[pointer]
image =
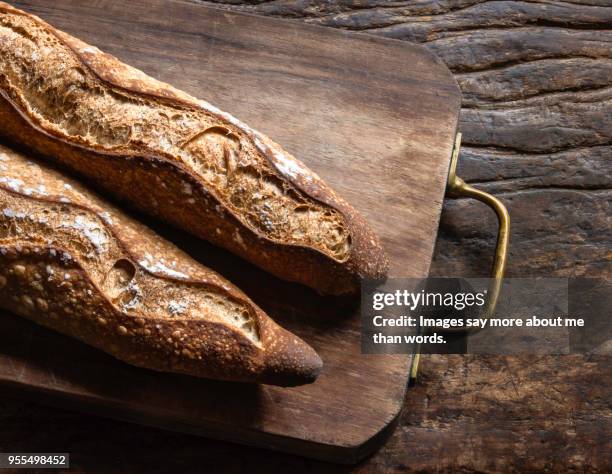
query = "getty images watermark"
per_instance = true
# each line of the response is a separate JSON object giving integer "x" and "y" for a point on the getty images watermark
{"x": 447, "y": 315}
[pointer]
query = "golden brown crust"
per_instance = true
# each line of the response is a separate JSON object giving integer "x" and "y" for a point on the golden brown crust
{"x": 308, "y": 234}
{"x": 74, "y": 263}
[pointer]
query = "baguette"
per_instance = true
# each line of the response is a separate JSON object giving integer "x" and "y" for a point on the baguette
{"x": 178, "y": 158}
{"x": 75, "y": 264}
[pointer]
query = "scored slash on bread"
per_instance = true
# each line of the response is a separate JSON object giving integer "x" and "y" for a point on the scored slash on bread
{"x": 178, "y": 158}
{"x": 76, "y": 264}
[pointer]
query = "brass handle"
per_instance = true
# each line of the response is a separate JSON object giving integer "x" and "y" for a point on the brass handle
{"x": 456, "y": 188}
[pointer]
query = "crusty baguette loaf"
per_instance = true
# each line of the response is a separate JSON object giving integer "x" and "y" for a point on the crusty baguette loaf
{"x": 71, "y": 262}
{"x": 178, "y": 158}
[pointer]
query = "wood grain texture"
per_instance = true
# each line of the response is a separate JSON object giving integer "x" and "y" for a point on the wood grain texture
{"x": 467, "y": 413}
{"x": 381, "y": 136}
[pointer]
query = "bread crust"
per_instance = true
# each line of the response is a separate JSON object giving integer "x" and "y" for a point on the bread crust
{"x": 74, "y": 263}
{"x": 207, "y": 212}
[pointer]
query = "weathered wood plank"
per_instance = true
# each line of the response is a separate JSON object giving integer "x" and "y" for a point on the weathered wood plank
{"x": 489, "y": 48}
{"x": 540, "y": 79}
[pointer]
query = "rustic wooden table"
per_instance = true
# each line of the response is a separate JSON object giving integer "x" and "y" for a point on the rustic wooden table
{"x": 536, "y": 121}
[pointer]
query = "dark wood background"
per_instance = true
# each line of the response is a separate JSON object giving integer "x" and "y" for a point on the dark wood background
{"x": 537, "y": 125}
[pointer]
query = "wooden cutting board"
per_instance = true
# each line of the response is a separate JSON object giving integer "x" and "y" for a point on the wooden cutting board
{"x": 375, "y": 118}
